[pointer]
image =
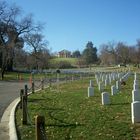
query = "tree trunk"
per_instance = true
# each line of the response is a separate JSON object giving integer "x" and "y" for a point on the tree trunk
{"x": 0, "y": 59}
{"x": 3, "y": 65}
{"x": 2, "y": 72}
{"x": 2, "y": 75}
{"x": 10, "y": 65}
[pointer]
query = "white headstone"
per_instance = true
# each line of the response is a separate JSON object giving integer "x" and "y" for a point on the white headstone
{"x": 106, "y": 82}
{"x": 119, "y": 75}
{"x": 135, "y": 111}
{"x": 135, "y": 76}
{"x": 135, "y": 86}
{"x": 100, "y": 86}
{"x": 97, "y": 81}
{"x": 113, "y": 90}
{"x": 90, "y": 91}
{"x": 135, "y": 95}
{"x": 105, "y": 98}
{"x": 113, "y": 77}
{"x": 136, "y": 82}
{"x": 91, "y": 83}
{"x": 103, "y": 77}
{"x": 118, "y": 85}
{"x": 110, "y": 79}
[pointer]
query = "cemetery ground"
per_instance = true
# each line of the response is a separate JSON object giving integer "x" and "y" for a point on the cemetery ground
{"x": 19, "y": 76}
{"x": 70, "y": 114}
{"x": 23, "y": 76}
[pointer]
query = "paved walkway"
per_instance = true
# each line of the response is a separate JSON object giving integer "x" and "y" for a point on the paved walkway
{"x": 8, "y": 92}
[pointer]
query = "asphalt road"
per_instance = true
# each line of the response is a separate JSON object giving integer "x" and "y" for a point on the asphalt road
{"x": 8, "y": 92}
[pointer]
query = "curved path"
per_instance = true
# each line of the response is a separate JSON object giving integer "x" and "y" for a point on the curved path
{"x": 8, "y": 92}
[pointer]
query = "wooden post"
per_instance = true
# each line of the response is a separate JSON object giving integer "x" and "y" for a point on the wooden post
{"x": 58, "y": 82}
{"x": 72, "y": 78}
{"x": 21, "y": 94}
{"x": 33, "y": 87}
{"x": 17, "y": 76}
{"x": 24, "y": 109}
{"x": 42, "y": 84}
{"x": 80, "y": 76}
{"x": 66, "y": 78}
{"x": 26, "y": 93}
{"x": 30, "y": 79}
{"x": 26, "y": 89}
{"x": 20, "y": 78}
{"x": 39, "y": 124}
{"x": 50, "y": 81}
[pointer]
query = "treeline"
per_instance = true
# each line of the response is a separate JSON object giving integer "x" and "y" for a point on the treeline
{"x": 107, "y": 54}
{"x": 18, "y": 31}
{"x": 120, "y": 53}
{"x": 111, "y": 53}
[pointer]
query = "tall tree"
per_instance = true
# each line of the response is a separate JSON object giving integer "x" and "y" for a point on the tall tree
{"x": 108, "y": 54}
{"x": 39, "y": 46}
{"x": 20, "y": 58}
{"x": 76, "y": 54}
{"x": 122, "y": 51}
{"x": 138, "y": 51}
{"x": 90, "y": 54}
{"x": 12, "y": 29}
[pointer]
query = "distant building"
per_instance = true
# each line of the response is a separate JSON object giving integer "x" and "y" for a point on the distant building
{"x": 64, "y": 54}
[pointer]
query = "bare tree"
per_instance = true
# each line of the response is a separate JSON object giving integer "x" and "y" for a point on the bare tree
{"x": 133, "y": 54}
{"x": 81, "y": 62}
{"x": 20, "y": 58}
{"x": 12, "y": 29}
{"x": 122, "y": 51}
{"x": 138, "y": 50}
{"x": 39, "y": 46}
{"x": 44, "y": 58}
{"x": 115, "y": 53}
{"x": 108, "y": 54}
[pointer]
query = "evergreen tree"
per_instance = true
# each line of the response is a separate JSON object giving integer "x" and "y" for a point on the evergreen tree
{"x": 76, "y": 54}
{"x": 90, "y": 54}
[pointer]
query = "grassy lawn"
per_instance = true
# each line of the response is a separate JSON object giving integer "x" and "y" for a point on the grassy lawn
{"x": 72, "y": 61}
{"x": 37, "y": 76}
{"x": 70, "y": 114}
{"x": 20, "y": 76}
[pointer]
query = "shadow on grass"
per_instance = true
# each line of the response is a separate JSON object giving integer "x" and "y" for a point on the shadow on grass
{"x": 65, "y": 125}
{"x": 54, "y": 109}
{"x": 127, "y": 103}
{"x": 69, "y": 127}
{"x": 39, "y": 99}
{"x": 56, "y": 125}
{"x": 61, "y": 121}
{"x": 53, "y": 112}
{"x": 125, "y": 88}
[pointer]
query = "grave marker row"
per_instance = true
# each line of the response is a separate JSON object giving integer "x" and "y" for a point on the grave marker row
{"x": 103, "y": 79}
{"x": 135, "y": 105}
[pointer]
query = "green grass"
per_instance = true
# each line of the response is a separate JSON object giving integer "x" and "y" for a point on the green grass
{"x": 37, "y": 76}
{"x": 70, "y": 114}
{"x": 72, "y": 61}
{"x": 20, "y": 76}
